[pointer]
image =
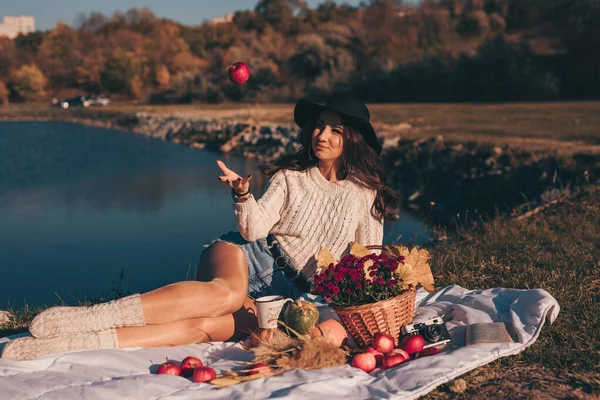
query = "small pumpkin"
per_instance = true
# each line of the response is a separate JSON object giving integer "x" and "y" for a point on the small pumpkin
{"x": 301, "y": 316}
{"x": 333, "y": 330}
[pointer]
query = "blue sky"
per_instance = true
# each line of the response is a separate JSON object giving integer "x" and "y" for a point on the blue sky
{"x": 190, "y": 12}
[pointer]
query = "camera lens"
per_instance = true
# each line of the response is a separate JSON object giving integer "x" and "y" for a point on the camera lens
{"x": 433, "y": 333}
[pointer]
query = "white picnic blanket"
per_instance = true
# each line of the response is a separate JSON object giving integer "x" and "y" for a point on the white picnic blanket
{"x": 120, "y": 374}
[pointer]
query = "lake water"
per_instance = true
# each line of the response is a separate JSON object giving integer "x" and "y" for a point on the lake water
{"x": 85, "y": 210}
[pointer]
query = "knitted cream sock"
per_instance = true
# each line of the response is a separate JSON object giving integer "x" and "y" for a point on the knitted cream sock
{"x": 68, "y": 320}
{"x": 28, "y": 348}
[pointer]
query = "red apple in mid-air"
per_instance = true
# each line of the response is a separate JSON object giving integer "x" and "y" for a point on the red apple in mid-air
{"x": 364, "y": 361}
{"x": 239, "y": 72}
{"x": 169, "y": 368}
{"x": 204, "y": 374}
{"x": 189, "y": 364}
{"x": 395, "y": 357}
{"x": 376, "y": 353}
{"x": 256, "y": 368}
{"x": 383, "y": 343}
{"x": 412, "y": 343}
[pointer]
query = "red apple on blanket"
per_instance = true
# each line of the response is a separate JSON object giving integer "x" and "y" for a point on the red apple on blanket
{"x": 204, "y": 374}
{"x": 412, "y": 343}
{"x": 169, "y": 368}
{"x": 430, "y": 351}
{"x": 383, "y": 343}
{"x": 364, "y": 361}
{"x": 395, "y": 357}
{"x": 189, "y": 364}
{"x": 376, "y": 353}
{"x": 257, "y": 368}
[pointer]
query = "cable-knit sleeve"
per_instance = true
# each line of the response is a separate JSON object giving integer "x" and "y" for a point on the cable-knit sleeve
{"x": 256, "y": 218}
{"x": 370, "y": 228}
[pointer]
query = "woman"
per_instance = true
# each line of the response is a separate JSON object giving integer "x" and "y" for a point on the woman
{"x": 331, "y": 193}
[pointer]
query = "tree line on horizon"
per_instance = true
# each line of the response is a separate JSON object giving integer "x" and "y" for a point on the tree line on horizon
{"x": 383, "y": 50}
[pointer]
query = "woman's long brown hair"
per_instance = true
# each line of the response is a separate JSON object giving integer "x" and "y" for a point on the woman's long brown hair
{"x": 360, "y": 162}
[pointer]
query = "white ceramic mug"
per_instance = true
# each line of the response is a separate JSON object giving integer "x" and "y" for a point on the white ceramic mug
{"x": 268, "y": 309}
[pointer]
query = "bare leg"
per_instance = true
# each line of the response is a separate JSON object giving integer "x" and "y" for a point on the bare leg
{"x": 223, "y": 290}
{"x": 196, "y": 330}
{"x": 224, "y": 270}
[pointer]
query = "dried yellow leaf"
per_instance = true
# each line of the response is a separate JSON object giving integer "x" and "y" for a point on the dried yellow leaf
{"x": 405, "y": 272}
{"x": 395, "y": 251}
{"x": 224, "y": 381}
{"x": 366, "y": 269}
{"x": 358, "y": 250}
{"x": 416, "y": 268}
{"x": 324, "y": 259}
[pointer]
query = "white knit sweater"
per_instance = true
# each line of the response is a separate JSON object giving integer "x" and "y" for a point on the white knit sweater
{"x": 305, "y": 212}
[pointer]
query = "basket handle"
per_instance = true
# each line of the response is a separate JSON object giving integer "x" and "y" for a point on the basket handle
{"x": 374, "y": 247}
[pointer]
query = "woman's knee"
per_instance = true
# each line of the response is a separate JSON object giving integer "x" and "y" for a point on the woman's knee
{"x": 196, "y": 330}
{"x": 235, "y": 292}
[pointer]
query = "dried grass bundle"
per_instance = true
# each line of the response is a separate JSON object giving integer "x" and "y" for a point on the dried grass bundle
{"x": 306, "y": 353}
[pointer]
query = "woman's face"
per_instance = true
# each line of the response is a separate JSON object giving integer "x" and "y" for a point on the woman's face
{"x": 328, "y": 136}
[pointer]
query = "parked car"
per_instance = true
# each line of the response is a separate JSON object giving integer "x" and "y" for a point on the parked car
{"x": 99, "y": 100}
{"x": 83, "y": 101}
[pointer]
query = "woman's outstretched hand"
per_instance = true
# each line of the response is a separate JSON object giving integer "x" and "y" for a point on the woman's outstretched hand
{"x": 233, "y": 180}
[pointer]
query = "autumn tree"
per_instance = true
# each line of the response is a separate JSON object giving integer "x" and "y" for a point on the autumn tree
{"x": 8, "y": 57}
{"x": 28, "y": 83}
{"x": 4, "y": 94}
{"x": 163, "y": 78}
{"x": 89, "y": 73}
{"x": 28, "y": 46}
{"x": 279, "y": 13}
{"x": 59, "y": 56}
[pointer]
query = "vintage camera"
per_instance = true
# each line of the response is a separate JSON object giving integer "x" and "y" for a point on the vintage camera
{"x": 433, "y": 330}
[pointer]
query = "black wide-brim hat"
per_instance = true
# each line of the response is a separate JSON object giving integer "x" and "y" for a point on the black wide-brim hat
{"x": 354, "y": 112}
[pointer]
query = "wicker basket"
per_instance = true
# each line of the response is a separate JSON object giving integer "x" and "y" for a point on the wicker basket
{"x": 387, "y": 316}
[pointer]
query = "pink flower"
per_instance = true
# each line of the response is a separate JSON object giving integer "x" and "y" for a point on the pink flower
{"x": 355, "y": 275}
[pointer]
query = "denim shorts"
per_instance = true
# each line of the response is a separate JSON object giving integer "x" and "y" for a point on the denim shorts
{"x": 264, "y": 277}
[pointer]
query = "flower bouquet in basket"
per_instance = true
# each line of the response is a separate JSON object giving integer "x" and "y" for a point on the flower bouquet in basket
{"x": 371, "y": 292}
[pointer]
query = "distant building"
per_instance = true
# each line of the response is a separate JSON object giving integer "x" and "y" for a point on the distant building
{"x": 219, "y": 20}
{"x": 12, "y": 26}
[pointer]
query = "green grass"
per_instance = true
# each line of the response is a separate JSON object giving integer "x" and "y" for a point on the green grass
{"x": 557, "y": 250}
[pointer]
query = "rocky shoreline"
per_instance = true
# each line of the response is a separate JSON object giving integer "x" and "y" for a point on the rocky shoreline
{"x": 449, "y": 184}
{"x": 264, "y": 142}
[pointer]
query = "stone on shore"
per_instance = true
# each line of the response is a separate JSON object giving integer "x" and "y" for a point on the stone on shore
{"x": 5, "y": 318}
